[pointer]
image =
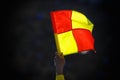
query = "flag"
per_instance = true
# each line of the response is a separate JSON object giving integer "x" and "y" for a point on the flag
{"x": 72, "y": 31}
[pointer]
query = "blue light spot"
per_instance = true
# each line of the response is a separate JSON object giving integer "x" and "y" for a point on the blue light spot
{"x": 106, "y": 60}
{"x": 39, "y": 16}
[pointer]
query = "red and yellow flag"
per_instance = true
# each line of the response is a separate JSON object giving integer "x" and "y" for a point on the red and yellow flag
{"x": 72, "y": 31}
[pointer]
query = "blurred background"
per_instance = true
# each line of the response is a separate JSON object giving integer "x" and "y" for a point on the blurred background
{"x": 30, "y": 46}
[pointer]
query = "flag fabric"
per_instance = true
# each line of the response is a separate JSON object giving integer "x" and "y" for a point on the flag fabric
{"x": 72, "y": 31}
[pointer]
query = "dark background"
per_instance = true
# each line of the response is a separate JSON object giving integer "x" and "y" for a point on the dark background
{"x": 29, "y": 44}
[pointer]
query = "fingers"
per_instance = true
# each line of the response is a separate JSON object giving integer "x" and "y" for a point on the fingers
{"x": 59, "y": 59}
{"x": 59, "y": 54}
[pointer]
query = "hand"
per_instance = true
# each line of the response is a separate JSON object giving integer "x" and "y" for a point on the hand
{"x": 59, "y": 62}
